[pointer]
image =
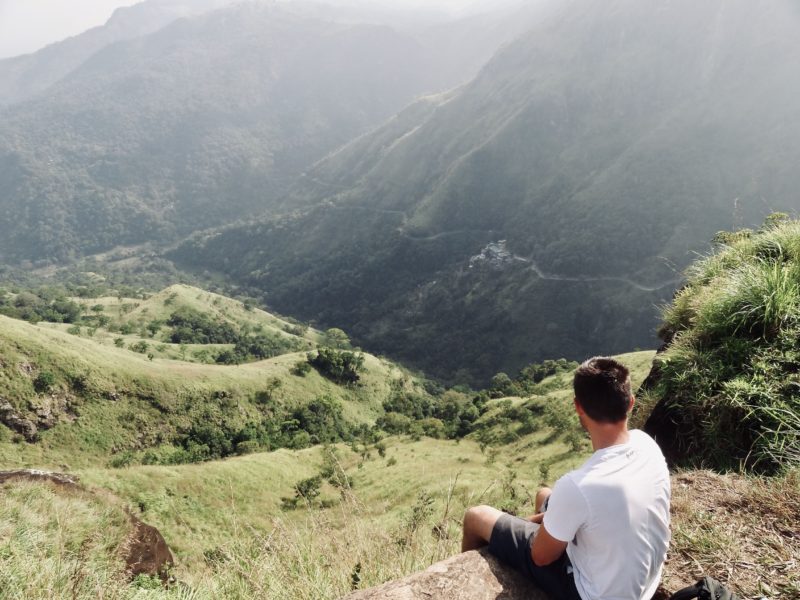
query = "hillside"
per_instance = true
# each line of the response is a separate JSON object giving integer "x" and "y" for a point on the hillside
{"x": 117, "y": 389}
{"x": 216, "y": 512}
{"x": 724, "y": 390}
{"x": 545, "y": 208}
{"x": 23, "y": 77}
{"x": 390, "y": 508}
{"x": 155, "y": 126}
{"x": 199, "y": 123}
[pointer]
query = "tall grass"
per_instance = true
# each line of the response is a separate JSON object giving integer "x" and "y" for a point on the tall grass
{"x": 731, "y": 372}
{"x": 68, "y": 546}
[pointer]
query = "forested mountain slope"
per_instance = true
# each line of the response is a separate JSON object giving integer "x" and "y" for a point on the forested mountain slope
{"x": 24, "y": 76}
{"x": 203, "y": 122}
{"x": 545, "y": 208}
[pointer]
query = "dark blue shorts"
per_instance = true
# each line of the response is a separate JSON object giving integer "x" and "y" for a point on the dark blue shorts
{"x": 511, "y": 543}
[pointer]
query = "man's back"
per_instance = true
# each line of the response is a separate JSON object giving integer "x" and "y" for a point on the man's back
{"x": 614, "y": 512}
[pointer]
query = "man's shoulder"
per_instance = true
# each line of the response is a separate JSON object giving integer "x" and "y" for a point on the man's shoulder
{"x": 644, "y": 442}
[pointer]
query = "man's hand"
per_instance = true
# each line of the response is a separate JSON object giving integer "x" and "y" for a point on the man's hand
{"x": 537, "y": 518}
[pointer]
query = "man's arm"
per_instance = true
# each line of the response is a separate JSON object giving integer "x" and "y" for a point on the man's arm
{"x": 545, "y": 548}
{"x": 537, "y": 518}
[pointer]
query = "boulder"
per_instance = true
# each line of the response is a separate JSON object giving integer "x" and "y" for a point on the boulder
{"x": 474, "y": 575}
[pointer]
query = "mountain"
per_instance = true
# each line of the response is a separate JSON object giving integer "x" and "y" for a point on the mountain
{"x": 22, "y": 77}
{"x": 200, "y": 123}
{"x": 547, "y": 206}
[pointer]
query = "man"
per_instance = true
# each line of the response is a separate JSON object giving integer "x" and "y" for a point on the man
{"x": 603, "y": 531}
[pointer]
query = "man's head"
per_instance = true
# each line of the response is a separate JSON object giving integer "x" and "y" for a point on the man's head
{"x": 603, "y": 389}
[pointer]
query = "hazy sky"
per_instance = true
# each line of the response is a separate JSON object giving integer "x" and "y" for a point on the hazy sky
{"x": 27, "y": 25}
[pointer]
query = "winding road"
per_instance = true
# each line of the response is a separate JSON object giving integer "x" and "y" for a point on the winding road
{"x": 581, "y": 278}
{"x": 533, "y": 266}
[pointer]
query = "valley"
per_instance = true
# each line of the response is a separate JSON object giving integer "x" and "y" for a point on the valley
{"x": 287, "y": 286}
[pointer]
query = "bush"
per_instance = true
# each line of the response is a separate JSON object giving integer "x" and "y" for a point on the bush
{"x": 301, "y": 368}
{"x": 247, "y": 447}
{"x": 44, "y": 382}
{"x": 339, "y": 366}
{"x": 140, "y": 347}
{"x": 394, "y": 423}
{"x": 193, "y": 327}
{"x": 124, "y": 459}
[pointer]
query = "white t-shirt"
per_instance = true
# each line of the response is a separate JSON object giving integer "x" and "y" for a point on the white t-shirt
{"x": 614, "y": 513}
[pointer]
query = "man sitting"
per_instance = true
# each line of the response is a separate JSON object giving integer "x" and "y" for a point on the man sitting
{"x": 603, "y": 531}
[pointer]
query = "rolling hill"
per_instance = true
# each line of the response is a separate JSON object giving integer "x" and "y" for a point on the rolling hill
{"x": 545, "y": 208}
{"x": 114, "y": 390}
{"x": 382, "y": 509}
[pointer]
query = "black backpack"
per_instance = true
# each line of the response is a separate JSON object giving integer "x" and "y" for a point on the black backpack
{"x": 705, "y": 589}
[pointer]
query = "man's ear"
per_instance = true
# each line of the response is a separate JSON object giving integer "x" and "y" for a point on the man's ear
{"x": 631, "y": 403}
{"x": 578, "y": 407}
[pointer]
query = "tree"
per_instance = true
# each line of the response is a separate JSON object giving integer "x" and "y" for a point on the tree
{"x": 340, "y": 366}
{"x": 337, "y": 338}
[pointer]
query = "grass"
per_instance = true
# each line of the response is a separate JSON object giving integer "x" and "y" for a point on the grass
{"x": 202, "y": 507}
{"x": 400, "y": 512}
{"x": 231, "y": 540}
{"x": 55, "y": 543}
{"x": 741, "y": 530}
{"x": 161, "y": 305}
{"x": 730, "y": 373}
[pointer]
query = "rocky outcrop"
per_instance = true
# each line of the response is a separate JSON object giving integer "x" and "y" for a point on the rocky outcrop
{"x": 147, "y": 552}
{"x": 472, "y": 575}
{"x": 16, "y": 422}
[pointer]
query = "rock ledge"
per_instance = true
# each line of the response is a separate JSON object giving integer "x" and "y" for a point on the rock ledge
{"x": 472, "y": 575}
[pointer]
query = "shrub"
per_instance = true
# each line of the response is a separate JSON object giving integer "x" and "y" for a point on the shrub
{"x": 193, "y": 327}
{"x": 124, "y": 459}
{"x": 301, "y": 368}
{"x": 247, "y": 447}
{"x": 44, "y": 382}
{"x": 339, "y": 366}
{"x": 140, "y": 347}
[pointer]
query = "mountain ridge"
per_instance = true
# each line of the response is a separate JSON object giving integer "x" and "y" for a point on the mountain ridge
{"x": 588, "y": 170}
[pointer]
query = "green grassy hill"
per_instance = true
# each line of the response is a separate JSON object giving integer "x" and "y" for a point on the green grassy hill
{"x": 88, "y": 394}
{"x": 383, "y": 496}
{"x": 383, "y": 509}
{"x": 725, "y": 389}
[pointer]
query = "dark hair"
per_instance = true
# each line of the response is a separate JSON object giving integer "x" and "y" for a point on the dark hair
{"x": 603, "y": 388}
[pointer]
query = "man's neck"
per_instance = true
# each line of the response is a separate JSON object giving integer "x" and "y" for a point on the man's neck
{"x": 605, "y": 435}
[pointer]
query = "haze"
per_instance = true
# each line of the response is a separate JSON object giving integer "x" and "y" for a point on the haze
{"x": 28, "y": 25}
